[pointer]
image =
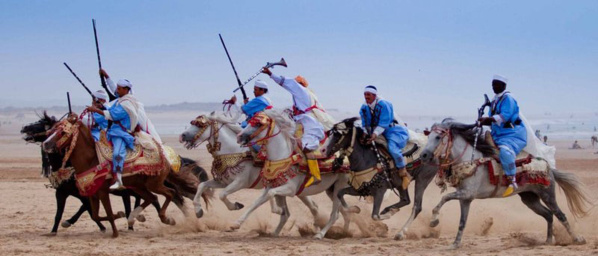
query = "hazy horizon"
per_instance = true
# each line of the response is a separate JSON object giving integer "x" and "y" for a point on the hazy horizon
{"x": 426, "y": 57}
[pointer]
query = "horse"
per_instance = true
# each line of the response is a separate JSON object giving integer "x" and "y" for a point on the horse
{"x": 346, "y": 137}
{"x": 450, "y": 146}
{"x": 233, "y": 168}
{"x": 274, "y": 130}
{"x": 65, "y": 185}
{"x": 75, "y": 138}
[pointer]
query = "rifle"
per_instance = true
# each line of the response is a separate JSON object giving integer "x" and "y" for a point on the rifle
{"x": 111, "y": 96}
{"x": 234, "y": 70}
{"x": 78, "y": 79}
{"x": 68, "y": 98}
{"x": 478, "y": 125}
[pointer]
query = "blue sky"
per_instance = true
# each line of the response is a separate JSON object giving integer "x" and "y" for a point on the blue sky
{"x": 426, "y": 57}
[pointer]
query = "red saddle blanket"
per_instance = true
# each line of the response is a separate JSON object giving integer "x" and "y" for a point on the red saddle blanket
{"x": 530, "y": 170}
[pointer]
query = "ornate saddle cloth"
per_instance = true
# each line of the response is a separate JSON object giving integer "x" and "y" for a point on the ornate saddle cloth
{"x": 146, "y": 158}
{"x": 530, "y": 170}
{"x": 411, "y": 151}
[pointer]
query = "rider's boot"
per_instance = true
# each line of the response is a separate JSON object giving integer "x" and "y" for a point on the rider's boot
{"x": 511, "y": 188}
{"x": 314, "y": 169}
{"x": 119, "y": 182}
{"x": 406, "y": 178}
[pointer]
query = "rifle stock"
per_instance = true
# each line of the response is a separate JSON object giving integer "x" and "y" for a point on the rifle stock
{"x": 81, "y": 82}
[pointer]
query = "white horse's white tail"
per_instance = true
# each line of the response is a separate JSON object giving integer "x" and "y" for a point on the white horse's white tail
{"x": 578, "y": 198}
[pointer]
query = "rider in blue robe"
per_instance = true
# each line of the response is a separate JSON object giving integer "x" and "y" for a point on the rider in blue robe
{"x": 99, "y": 121}
{"x": 377, "y": 117}
{"x": 508, "y": 131}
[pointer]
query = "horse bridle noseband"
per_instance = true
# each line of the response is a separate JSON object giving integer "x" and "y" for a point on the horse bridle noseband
{"x": 203, "y": 123}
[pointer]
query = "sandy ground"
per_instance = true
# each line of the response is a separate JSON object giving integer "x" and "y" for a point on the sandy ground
{"x": 27, "y": 211}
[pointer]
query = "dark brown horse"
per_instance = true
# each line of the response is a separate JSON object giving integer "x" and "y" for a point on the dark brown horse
{"x": 71, "y": 135}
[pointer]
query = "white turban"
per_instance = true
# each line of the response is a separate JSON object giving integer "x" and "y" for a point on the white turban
{"x": 371, "y": 89}
{"x": 124, "y": 83}
{"x": 261, "y": 84}
{"x": 100, "y": 94}
{"x": 500, "y": 78}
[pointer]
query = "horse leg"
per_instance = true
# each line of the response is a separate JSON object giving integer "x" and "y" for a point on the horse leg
{"x": 420, "y": 187}
{"x": 148, "y": 198}
{"x": 336, "y": 205}
{"x": 312, "y": 206}
{"x": 378, "y": 198}
{"x": 86, "y": 204}
{"x": 141, "y": 217}
{"x": 60, "y": 203}
{"x": 465, "y": 203}
{"x": 281, "y": 201}
{"x": 200, "y": 190}
{"x": 233, "y": 187}
{"x": 105, "y": 198}
{"x": 157, "y": 186}
{"x": 127, "y": 203}
{"x": 261, "y": 200}
{"x": 459, "y": 195}
{"x": 403, "y": 196}
{"x": 549, "y": 198}
{"x": 532, "y": 201}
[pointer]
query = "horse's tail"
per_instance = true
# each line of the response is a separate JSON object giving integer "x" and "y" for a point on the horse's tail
{"x": 189, "y": 167}
{"x": 578, "y": 199}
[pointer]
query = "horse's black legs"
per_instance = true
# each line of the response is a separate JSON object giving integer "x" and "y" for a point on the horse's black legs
{"x": 72, "y": 220}
{"x": 533, "y": 202}
{"x": 403, "y": 196}
{"x": 465, "y": 203}
{"x": 126, "y": 196}
{"x": 349, "y": 191}
{"x": 378, "y": 194}
{"x": 60, "y": 203}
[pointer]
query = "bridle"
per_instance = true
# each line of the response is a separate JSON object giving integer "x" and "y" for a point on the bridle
{"x": 263, "y": 122}
{"x": 443, "y": 151}
{"x": 67, "y": 131}
{"x": 343, "y": 134}
{"x": 203, "y": 123}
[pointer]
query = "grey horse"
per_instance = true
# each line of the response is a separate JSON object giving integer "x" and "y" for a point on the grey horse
{"x": 478, "y": 186}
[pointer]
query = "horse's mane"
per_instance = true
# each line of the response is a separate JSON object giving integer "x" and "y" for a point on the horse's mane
{"x": 469, "y": 135}
{"x": 229, "y": 122}
{"x": 284, "y": 123}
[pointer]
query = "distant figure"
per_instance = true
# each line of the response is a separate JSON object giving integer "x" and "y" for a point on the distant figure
{"x": 538, "y": 135}
{"x": 594, "y": 140}
{"x": 545, "y": 140}
{"x": 575, "y": 145}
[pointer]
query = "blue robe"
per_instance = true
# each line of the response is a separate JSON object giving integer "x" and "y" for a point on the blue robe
{"x": 382, "y": 122}
{"x": 100, "y": 123}
{"x": 253, "y": 106}
{"x": 120, "y": 138}
{"x": 508, "y": 131}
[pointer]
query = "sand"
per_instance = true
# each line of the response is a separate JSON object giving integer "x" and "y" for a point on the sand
{"x": 495, "y": 227}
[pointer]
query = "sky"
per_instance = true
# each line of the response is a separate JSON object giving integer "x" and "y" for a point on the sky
{"x": 426, "y": 57}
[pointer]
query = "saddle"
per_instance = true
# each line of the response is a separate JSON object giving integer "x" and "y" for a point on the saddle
{"x": 325, "y": 163}
{"x": 411, "y": 152}
{"x": 146, "y": 157}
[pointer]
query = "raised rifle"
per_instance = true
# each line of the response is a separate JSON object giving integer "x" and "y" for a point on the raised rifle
{"x": 111, "y": 96}
{"x": 68, "y": 99}
{"x": 268, "y": 65}
{"x": 478, "y": 125}
{"x": 81, "y": 82}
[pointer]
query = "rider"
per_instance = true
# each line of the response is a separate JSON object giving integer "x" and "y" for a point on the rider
{"x": 99, "y": 121}
{"x": 313, "y": 131}
{"x": 124, "y": 115}
{"x": 508, "y": 131}
{"x": 377, "y": 117}
{"x": 257, "y": 104}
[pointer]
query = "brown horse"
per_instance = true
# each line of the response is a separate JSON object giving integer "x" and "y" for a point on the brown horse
{"x": 74, "y": 137}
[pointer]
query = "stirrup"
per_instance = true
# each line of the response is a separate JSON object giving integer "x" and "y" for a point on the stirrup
{"x": 312, "y": 181}
{"x": 117, "y": 186}
{"x": 510, "y": 189}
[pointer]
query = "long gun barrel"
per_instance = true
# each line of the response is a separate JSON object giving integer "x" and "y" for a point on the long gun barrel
{"x": 78, "y": 79}
{"x": 102, "y": 79}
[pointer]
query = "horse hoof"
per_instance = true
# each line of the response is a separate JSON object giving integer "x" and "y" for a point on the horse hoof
{"x": 318, "y": 236}
{"x": 454, "y": 246}
{"x": 170, "y": 221}
{"x": 120, "y": 214}
{"x": 115, "y": 235}
{"x": 376, "y": 217}
{"x": 103, "y": 230}
{"x": 140, "y": 218}
{"x": 51, "y": 234}
{"x": 579, "y": 240}
{"x": 199, "y": 213}
{"x": 399, "y": 237}
{"x": 66, "y": 224}
{"x": 239, "y": 206}
{"x": 131, "y": 229}
{"x": 354, "y": 209}
{"x": 434, "y": 223}
{"x": 234, "y": 227}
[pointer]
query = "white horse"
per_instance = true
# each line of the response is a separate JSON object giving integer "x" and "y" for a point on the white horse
{"x": 274, "y": 131}
{"x": 238, "y": 171}
{"x": 478, "y": 186}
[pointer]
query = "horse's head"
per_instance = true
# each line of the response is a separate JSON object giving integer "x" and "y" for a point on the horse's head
{"x": 341, "y": 135}
{"x": 258, "y": 127}
{"x": 458, "y": 137}
{"x": 197, "y": 133}
{"x": 437, "y": 136}
{"x": 36, "y": 132}
{"x": 62, "y": 134}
